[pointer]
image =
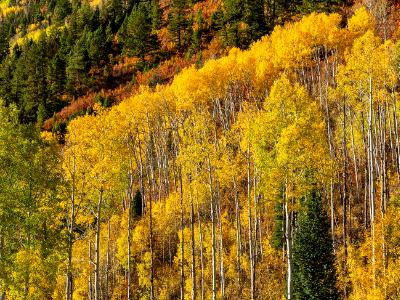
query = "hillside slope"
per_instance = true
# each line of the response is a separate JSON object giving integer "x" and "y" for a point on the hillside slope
{"x": 58, "y": 53}
{"x": 268, "y": 172}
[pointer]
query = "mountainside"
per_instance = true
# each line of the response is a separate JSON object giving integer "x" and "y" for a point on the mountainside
{"x": 58, "y": 53}
{"x": 269, "y": 170}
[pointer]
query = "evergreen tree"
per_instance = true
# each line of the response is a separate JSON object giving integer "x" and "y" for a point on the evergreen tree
{"x": 197, "y": 34}
{"x": 278, "y": 234}
{"x": 137, "y": 36}
{"x": 156, "y": 14}
{"x": 253, "y": 16}
{"x": 229, "y": 22}
{"x": 241, "y": 22}
{"x": 62, "y": 9}
{"x": 114, "y": 13}
{"x": 6, "y": 74}
{"x": 36, "y": 87}
{"x": 178, "y": 23}
{"x": 77, "y": 65}
{"x": 137, "y": 205}
{"x": 98, "y": 46}
{"x": 314, "y": 275}
{"x": 56, "y": 78}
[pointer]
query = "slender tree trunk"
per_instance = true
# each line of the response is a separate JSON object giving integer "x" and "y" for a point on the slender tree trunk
{"x": 391, "y": 138}
{"x": 384, "y": 188}
{"x": 213, "y": 254}
{"x": 238, "y": 236}
{"x": 330, "y": 143}
{"x": 250, "y": 226}
{"x": 90, "y": 283}
{"x": 366, "y": 173}
{"x": 288, "y": 237}
{"x": 256, "y": 245}
{"x": 129, "y": 295}
{"x": 344, "y": 195}
{"x": 344, "y": 180}
{"x": 69, "y": 281}
{"x": 130, "y": 193}
{"x": 396, "y": 134}
{"x": 221, "y": 253}
{"x": 97, "y": 250}
{"x": 332, "y": 208}
{"x": 355, "y": 162}
{"x": 371, "y": 178}
{"x": 201, "y": 249}
{"x": 151, "y": 193}
{"x": 151, "y": 237}
{"x": 260, "y": 228}
{"x": 182, "y": 277}
{"x": 108, "y": 262}
{"x": 193, "y": 267}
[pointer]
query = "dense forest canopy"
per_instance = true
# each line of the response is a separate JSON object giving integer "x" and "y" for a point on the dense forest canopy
{"x": 53, "y": 52}
{"x": 270, "y": 172}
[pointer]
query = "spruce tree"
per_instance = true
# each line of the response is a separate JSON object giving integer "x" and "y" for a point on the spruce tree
{"x": 227, "y": 22}
{"x": 156, "y": 14}
{"x": 253, "y": 16}
{"x": 314, "y": 275}
{"x": 178, "y": 24}
{"x": 62, "y": 9}
{"x": 137, "y": 205}
{"x": 138, "y": 38}
{"x": 78, "y": 65}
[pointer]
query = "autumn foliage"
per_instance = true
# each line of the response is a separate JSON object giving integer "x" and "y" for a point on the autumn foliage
{"x": 200, "y": 188}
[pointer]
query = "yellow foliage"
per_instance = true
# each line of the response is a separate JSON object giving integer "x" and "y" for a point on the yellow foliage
{"x": 361, "y": 22}
{"x": 205, "y": 124}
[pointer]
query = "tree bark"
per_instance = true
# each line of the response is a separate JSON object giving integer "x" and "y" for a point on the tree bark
{"x": 108, "y": 261}
{"x": 97, "y": 249}
{"x": 238, "y": 237}
{"x": 288, "y": 237}
{"x": 344, "y": 182}
{"x": 182, "y": 277}
{"x": 221, "y": 251}
{"x": 130, "y": 194}
{"x": 213, "y": 254}
{"x": 201, "y": 249}
{"x": 193, "y": 266}
{"x": 371, "y": 178}
{"x": 69, "y": 281}
{"x": 90, "y": 283}
{"x": 250, "y": 218}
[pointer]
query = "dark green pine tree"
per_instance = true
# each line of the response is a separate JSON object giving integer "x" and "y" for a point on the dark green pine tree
{"x": 178, "y": 24}
{"x": 254, "y": 18}
{"x": 241, "y": 22}
{"x": 36, "y": 91}
{"x": 7, "y": 68}
{"x": 230, "y": 20}
{"x": 277, "y": 233}
{"x": 114, "y": 13}
{"x": 78, "y": 66}
{"x": 137, "y": 35}
{"x": 308, "y": 6}
{"x": 156, "y": 14}
{"x": 62, "y": 9}
{"x": 98, "y": 46}
{"x": 56, "y": 79}
{"x": 314, "y": 275}
{"x": 137, "y": 205}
